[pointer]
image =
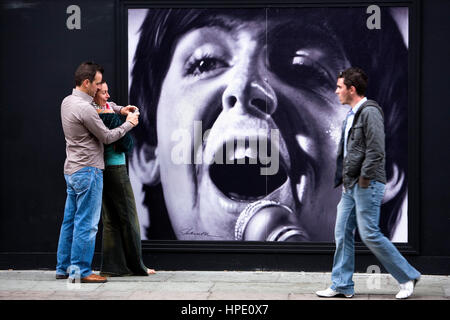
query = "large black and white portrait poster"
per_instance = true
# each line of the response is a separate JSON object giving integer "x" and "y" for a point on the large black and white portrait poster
{"x": 240, "y": 122}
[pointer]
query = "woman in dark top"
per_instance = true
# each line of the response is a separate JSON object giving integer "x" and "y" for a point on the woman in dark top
{"x": 121, "y": 245}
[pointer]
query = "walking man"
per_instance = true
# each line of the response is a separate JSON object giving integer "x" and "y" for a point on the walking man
{"x": 85, "y": 135}
{"x": 361, "y": 170}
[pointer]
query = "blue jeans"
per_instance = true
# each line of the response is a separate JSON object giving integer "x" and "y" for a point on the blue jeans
{"x": 360, "y": 207}
{"x": 81, "y": 216}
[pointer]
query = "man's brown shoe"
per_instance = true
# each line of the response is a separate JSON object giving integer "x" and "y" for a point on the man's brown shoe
{"x": 93, "y": 278}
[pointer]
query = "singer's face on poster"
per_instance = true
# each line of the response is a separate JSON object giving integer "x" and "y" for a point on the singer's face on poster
{"x": 248, "y": 77}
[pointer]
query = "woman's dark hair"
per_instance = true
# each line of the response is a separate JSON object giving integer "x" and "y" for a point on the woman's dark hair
{"x": 380, "y": 52}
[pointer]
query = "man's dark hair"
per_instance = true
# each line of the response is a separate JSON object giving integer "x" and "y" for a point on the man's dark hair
{"x": 87, "y": 70}
{"x": 355, "y": 77}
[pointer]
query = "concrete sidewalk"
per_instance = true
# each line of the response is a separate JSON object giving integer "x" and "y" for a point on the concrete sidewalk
{"x": 209, "y": 285}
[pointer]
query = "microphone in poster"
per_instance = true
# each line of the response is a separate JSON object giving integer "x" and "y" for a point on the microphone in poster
{"x": 267, "y": 220}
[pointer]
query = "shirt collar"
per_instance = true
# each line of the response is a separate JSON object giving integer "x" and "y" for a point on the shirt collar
{"x": 82, "y": 95}
{"x": 355, "y": 109}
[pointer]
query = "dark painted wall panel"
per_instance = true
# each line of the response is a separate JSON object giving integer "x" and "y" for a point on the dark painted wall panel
{"x": 38, "y": 57}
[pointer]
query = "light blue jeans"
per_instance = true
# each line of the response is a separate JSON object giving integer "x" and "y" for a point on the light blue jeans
{"x": 360, "y": 207}
{"x": 81, "y": 216}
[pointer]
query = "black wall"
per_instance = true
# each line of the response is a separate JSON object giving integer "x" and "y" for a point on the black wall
{"x": 38, "y": 57}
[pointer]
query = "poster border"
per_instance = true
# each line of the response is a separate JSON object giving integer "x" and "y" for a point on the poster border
{"x": 414, "y": 126}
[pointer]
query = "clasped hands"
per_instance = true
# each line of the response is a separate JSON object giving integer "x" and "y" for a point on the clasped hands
{"x": 132, "y": 113}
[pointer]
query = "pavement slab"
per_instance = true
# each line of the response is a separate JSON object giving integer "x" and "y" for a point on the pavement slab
{"x": 210, "y": 285}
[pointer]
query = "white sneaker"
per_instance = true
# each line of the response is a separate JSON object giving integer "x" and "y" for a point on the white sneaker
{"x": 406, "y": 289}
{"x": 328, "y": 293}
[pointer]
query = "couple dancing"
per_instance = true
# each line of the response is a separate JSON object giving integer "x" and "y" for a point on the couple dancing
{"x": 97, "y": 183}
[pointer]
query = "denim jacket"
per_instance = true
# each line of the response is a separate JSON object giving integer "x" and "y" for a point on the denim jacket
{"x": 365, "y": 148}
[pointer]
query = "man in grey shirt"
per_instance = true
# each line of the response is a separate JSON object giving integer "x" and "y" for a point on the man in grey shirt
{"x": 85, "y": 134}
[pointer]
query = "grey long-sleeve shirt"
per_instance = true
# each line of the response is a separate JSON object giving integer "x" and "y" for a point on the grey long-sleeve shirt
{"x": 85, "y": 132}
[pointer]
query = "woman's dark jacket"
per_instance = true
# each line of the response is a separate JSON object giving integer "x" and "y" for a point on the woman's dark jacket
{"x": 113, "y": 120}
